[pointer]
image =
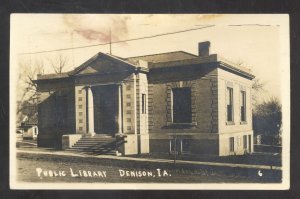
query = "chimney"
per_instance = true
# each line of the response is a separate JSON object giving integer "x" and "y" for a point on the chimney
{"x": 203, "y": 48}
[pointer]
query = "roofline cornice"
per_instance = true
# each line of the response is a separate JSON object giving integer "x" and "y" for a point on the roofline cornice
{"x": 237, "y": 70}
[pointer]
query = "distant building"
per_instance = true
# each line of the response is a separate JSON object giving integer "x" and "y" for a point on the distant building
{"x": 28, "y": 128}
{"x": 203, "y": 100}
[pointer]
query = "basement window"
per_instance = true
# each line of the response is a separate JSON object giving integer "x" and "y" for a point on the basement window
{"x": 231, "y": 144}
{"x": 179, "y": 145}
{"x": 245, "y": 141}
{"x": 182, "y": 111}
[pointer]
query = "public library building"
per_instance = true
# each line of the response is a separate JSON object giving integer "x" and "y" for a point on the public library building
{"x": 199, "y": 103}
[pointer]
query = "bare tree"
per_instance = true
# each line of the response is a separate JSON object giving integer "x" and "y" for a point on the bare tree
{"x": 58, "y": 63}
{"x": 27, "y": 88}
{"x": 28, "y": 72}
{"x": 258, "y": 87}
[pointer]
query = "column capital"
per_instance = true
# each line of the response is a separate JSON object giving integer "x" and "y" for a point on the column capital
{"x": 87, "y": 86}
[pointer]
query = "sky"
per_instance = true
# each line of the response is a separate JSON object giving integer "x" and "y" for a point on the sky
{"x": 258, "y": 41}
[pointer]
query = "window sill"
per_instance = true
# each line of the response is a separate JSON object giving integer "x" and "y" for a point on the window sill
{"x": 230, "y": 123}
{"x": 243, "y": 122}
{"x": 181, "y": 125}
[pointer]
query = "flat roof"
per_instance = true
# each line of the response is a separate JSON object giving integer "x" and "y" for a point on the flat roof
{"x": 161, "y": 60}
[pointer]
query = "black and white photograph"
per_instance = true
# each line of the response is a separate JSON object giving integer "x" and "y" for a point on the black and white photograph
{"x": 150, "y": 101}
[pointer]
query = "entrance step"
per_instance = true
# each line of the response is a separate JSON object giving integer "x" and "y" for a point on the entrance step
{"x": 96, "y": 145}
{"x": 102, "y": 136}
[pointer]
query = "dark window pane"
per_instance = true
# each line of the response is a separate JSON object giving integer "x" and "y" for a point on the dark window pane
{"x": 229, "y": 102}
{"x": 245, "y": 141}
{"x": 182, "y": 105}
{"x": 229, "y": 113}
{"x": 249, "y": 143}
{"x": 143, "y": 103}
{"x": 231, "y": 144}
{"x": 243, "y": 106}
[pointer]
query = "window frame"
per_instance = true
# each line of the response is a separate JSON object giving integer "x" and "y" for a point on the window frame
{"x": 231, "y": 144}
{"x": 245, "y": 142}
{"x": 190, "y": 106}
{"x": 230, "y": 95}
{"x": 243, "y": 103}
{"x": 144, "y": 110}
{"x": 250, "y": 143}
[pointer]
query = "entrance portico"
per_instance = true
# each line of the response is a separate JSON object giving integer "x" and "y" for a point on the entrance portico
{"x": 99, "y": 109}
{"x": 111, "y": 104}
{"x": 104, "y": 109}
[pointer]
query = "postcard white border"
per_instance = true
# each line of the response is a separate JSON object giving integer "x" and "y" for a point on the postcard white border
{"x": 285, "y": 96}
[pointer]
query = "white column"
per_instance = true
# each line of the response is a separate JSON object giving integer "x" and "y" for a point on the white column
{"x": 120, "y": 119}
{"x": 89, "y": 111}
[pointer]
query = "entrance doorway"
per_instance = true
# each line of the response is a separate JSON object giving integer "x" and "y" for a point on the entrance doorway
{"x": 105, "y": 109}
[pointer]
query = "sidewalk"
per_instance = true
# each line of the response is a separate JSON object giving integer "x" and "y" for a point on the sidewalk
{"x": 145, "y": 160}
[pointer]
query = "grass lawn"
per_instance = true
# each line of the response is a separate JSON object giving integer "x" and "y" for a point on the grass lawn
{"x": 27, "y": 165}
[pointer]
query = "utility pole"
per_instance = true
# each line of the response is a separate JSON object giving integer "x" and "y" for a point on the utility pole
{"x": 109, "y": 40}
{"x": 72, "y": 45}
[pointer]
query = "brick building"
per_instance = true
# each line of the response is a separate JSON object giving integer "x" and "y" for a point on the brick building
{"x": 204, "y": 101}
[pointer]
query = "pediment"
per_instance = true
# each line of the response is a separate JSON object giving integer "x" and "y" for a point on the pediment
{"x": 104, "y": 64}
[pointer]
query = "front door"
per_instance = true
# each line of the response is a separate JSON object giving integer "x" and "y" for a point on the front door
{"x": 105, "y": 109}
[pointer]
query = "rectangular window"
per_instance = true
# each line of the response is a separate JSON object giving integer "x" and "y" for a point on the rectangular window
{"x": 182, "y": 111}
{"x": 245, "y": 141}
{"x": 229, "y": 104}
{"x": 143, "y": 103}
{"x": 176, "y": 145}
{"x": 243, "y": 106}
{"x": 231, "y": 144}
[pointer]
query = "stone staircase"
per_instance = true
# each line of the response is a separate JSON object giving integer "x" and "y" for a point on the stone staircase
{"x": 96, "y": 145}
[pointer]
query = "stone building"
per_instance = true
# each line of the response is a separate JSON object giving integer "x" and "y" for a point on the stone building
{"x": 199, "y": 103}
